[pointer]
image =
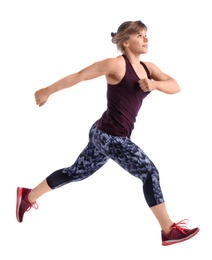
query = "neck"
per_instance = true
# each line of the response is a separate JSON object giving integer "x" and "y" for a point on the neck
{"x": 133, "y": 59}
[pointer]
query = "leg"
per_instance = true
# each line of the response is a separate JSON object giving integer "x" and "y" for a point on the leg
{"x": 130, "y": 157}
{"x": 162, "y": 216}
{"x": 38, "y": 191}
{"x": 88, "y": 162}
{"x": 136, "y": 162}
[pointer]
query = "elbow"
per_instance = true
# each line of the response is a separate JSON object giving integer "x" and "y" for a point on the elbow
{"x": 178, "y": 89}
{"x": 175, "y": 87}
{"x": 174, "y": 90}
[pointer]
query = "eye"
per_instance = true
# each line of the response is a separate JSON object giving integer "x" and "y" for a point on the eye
{"x": 141, "y": 35}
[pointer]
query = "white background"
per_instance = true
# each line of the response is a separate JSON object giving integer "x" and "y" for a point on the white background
{"x": 104, "y": 216}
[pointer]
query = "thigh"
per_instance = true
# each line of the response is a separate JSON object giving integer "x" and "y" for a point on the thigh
{"x": 132, "y": 158}
{"x": 89, "y": 161}
{"x": 126, "y": 153}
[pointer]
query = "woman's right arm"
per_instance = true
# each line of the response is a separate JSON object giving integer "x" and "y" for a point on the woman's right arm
{"x": 97, "y": 69}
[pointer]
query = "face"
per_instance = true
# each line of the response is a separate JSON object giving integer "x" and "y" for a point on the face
{"x": 138, "y": 43}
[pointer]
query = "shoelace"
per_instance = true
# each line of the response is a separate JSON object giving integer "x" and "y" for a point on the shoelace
{"x": 181, "y": 226}
{"x": 33, "y": 205}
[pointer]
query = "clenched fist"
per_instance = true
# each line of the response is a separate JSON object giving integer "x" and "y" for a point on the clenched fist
{"x": 146, "y": 84}
{"x": 41, "y": 96}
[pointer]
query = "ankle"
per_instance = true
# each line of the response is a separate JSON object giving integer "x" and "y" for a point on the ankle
{"x": 166, "y": 228}
{"x": 30, "y": 198}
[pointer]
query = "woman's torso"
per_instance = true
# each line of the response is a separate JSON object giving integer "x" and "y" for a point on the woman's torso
{"x": 124, "y": 100}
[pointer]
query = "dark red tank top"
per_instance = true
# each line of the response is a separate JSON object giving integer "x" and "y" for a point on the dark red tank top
{"x": 123, "y": 103}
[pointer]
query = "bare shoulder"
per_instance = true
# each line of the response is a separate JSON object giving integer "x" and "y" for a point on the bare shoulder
{"x": 115, "y": 69}
{"x": 156, "y": 72}
{"x": 151, "y": 67}
{"x": 113, "y": 65}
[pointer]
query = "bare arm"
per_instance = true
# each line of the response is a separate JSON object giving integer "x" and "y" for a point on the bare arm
{"x": 161, "y": 81}
{"x": 97, "y": 69}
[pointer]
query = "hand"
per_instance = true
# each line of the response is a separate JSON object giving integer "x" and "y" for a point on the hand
{"x": 146, "y": 84}
{"x": 41, "y": 96}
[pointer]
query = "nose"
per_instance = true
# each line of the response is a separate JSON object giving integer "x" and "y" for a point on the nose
{"x": 146, "y": 39}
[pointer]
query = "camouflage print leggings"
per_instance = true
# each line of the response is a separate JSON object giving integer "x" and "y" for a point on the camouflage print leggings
{"x": 102, "y": 147}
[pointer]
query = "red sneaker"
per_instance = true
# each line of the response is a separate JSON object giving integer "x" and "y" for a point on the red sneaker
{"x": 178, "y": 233}
{"x": 22, "y": 203}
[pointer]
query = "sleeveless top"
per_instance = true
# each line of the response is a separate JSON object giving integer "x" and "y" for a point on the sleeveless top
{"x": 123, "y": 103}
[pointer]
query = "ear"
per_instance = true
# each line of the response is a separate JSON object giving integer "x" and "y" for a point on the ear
{"x": 126, "y": 44}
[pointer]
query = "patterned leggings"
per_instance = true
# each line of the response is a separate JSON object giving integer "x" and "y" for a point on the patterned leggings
{"x": 102, "y": 147}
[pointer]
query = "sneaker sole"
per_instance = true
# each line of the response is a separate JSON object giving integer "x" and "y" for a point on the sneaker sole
{"x": 18, "y": 202}
{"x": 171, "y": 242}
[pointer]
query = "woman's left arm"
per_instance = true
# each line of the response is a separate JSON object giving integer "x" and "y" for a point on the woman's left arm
{"x": 160, "y": 81}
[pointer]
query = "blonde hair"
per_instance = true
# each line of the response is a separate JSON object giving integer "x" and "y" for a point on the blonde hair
{"x": 124, "y": 31}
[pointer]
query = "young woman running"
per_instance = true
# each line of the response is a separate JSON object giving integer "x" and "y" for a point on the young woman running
{"x": 129, "y": 81}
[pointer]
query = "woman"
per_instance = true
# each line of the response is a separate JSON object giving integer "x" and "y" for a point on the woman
{"x": 129, "y": 81}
